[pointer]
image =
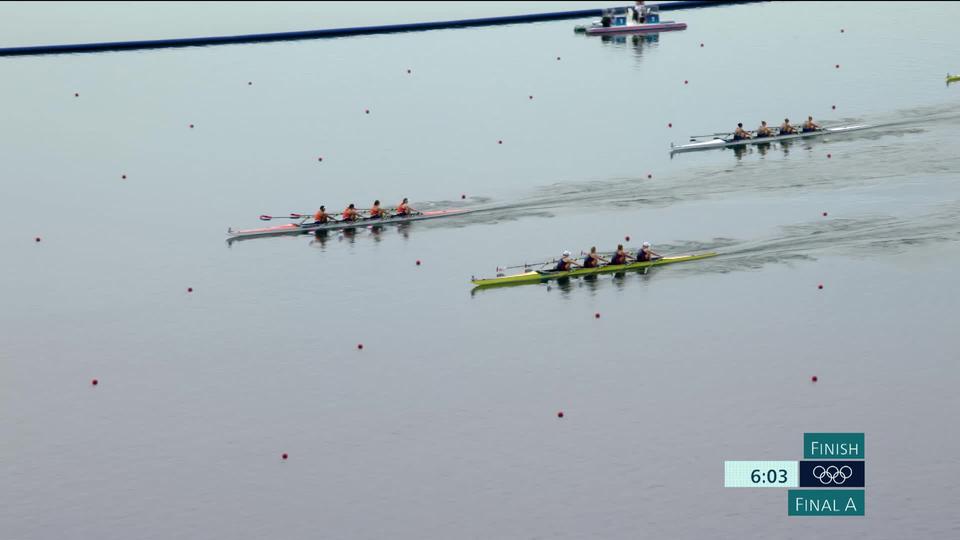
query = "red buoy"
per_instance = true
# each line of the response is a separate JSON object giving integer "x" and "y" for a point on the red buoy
{"x": 834, "y": 107}
{"x": 408, "y": 71}
{"x": 76, "y": 94}
{"x": 37, "y": 239}
{"x": 838, "y": 66}
{"x": 366, "y": 111}
{"x": 94, "y": 382}
{"x": 829, "y": 156}
{"x": 814, "y": 378}
{"x": 596, "y": 315}
{"x": 558, "y": 58}
{"x": 685, "y": 81}
{"x": 360, "y": 346}
{"x": 626, "y": 238}
{"x": 500, "y": 142}
{"x": 841, "y": 30}
{"x": 649, "y": 175}
{"x": 191, "y": 126}
{"x": 320, "y": 158}
{"x": 824, "y": 214}
{"x": 701, "y": 44}
{"x": 820, "y": 286}
{"x": 670, "y": 125}
{"x": 123, "y": 176}
{"x": 418, "y": 262}
{"x": 463, "y": 195}
{"x": 531, "y": 97}
{"x": 560, "y": 414}
{"x": 189, "y": 289}
{"x": 284, "y": 456}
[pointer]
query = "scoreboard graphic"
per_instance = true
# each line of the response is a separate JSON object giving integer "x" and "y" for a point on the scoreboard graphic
{"x": 832, "y": 474}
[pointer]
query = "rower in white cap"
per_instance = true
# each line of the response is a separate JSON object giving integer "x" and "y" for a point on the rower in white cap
{"x": 646, "y": 254}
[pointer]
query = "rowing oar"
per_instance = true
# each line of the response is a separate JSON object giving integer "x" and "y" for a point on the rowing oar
{"x": 527, "y": 265}
{"x": 265, "y": 217}
{"x": 711, "y": 135}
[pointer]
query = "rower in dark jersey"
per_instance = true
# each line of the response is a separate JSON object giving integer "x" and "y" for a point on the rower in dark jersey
{"x": 620, "y": 257}
{"x": 565, "y": 263}
{"x": 593, "y": 259}
{"x": 646, "y": 254}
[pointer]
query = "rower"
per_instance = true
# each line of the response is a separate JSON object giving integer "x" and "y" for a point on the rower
{"x": 321, "y": 216}
{"x": 592, "y": 260}
{"x": 565, "y": 263}
{"x": 740, "y": 134}
{"x": 810, "y": 125}
{"x": 763, "y": 130}
{"x": 646, "y": 254}
{"x": 375, "y": 210}
{"x": 403, "y": 209}
{"x": 786, "y": 128}
{"x": 620, "y": 257}
{"x": 350, "y": 214}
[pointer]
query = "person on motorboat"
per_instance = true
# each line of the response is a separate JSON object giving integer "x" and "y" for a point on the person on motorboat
{"x": 593, "y": 259}
{"x": 620, "y": 257}
{"x": 565, "y": 263}
{"x": 640, "y": 12}
{"x": 786, "y": 128}
{"x": 375, "y": 211}
{"x": 810, "y": 125}
{"x": 350, "y": 214}
{"x": 646, "y": 254}
{"x": 740, "y": 134}
{"x": 403, "y": 209}
{"x": 321, "y": 216}
{"x": 763, "y": 130}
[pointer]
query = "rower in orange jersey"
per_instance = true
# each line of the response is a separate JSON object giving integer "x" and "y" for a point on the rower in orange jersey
{"x": 375, "y": 211}
{"x": 321, "y": 216}
{"x": 350, "y": 214}
{"x": 403, "y": 209}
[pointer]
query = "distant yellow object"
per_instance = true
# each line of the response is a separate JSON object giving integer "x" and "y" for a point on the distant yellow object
{"x": 952, "y": 78}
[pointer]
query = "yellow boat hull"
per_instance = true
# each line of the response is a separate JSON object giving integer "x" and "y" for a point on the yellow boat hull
{"x": 539, "y": 277}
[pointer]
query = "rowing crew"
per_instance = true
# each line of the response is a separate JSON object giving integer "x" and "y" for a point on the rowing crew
{"x": 351, "y": 213}
{"x": 593, "y": 259}
{"x": 741, "y": 134}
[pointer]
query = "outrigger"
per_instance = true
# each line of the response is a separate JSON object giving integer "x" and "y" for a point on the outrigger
{"x": 540, "y": 276}
{"x": 303, "y": 227}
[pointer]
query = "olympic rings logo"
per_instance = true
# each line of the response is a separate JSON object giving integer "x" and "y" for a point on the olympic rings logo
{"x": 832, "y": 474}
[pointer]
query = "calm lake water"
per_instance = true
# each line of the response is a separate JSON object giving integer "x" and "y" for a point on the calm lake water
{"x": 445, "y": 424}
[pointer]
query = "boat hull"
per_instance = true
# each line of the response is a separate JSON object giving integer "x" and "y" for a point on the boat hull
{"x": 725, "y": 143}
{"x": 665, "y": 26}
{"x": 294, "y": 229}
{"x": 540, "y": 277}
